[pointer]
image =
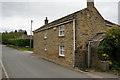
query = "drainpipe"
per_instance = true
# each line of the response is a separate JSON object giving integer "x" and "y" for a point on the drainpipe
{"x": 74, "y": 31}
{"x": 89, "y": 53}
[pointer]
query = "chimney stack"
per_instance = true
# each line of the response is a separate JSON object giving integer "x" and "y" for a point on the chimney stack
{"x": 90, "y": 3}
{"x": 46, "y": 21}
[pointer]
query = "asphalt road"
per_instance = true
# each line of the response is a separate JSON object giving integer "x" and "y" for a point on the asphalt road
{"x": 20, "y": 64}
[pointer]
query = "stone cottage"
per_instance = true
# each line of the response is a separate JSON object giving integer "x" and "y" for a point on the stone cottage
{"x": 67, "y": 40}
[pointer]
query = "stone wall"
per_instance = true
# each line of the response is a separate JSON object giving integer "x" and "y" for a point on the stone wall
{"x": 88, "y": 22}
{"x": 52, "y": 44}
{"x": 80, "y": 58}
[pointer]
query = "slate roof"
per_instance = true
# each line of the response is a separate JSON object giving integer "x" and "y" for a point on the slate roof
{"x": 63, "y": 19}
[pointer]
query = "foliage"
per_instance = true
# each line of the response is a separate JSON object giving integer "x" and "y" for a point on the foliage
{"x": 0, "y": 38}
{"x": 111, "y": 45}
{"x": 20, "y": 42}
{"x": 104, "y": 57}
{"x": 10, "y": 35}
{"x": 25, "y": 32}
{"x": 115, "y": 65}
{"x": 15, "y": 31}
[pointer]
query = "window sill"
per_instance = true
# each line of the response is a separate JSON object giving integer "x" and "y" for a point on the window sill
{"x": 61, "y": 36}
{"x": 45, "y": 38}
{"x": 62, "y": 56}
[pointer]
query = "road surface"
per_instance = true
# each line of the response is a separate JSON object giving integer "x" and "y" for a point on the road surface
{"x": 20, "y": 64}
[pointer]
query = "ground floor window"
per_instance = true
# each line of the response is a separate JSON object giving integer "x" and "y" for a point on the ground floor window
{"x": 45, "y": 48}
{"x": 61, "y": 50}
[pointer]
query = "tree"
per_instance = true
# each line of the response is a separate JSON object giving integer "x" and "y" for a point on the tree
{"x": 15, "y": 31}
{"x": 13, "y": 34}
{"x": 25, "y": 32}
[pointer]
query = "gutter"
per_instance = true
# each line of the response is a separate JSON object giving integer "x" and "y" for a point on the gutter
{"x": 65, "y": 22}
{"x": 74, "y": 31}
{"x": 89, "y": 53}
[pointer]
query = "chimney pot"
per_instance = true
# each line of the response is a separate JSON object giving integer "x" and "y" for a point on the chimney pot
{"x": 46, "y": 21}
{"x": 90, "y": 3}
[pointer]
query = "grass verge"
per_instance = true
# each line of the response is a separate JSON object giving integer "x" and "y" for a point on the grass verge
{"x": 20, "y": 48}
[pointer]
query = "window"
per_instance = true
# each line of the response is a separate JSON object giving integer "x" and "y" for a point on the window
{"x": 45, "y": 49}
{"x": 61, "y": 30}
{"x": 61, "y": 51}
{"x": 45, "y": 35}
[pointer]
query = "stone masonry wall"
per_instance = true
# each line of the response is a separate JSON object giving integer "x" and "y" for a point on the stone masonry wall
{"x": 52, "y": 44}
{"x": 88, "y": 22}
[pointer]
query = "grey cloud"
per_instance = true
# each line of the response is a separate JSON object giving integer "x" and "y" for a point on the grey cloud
{"x": 53, "y": 10}
{"x": 109, "y": 10}
{"x": 10, "y": 9}
{"x": 119, "y": 12}
{"x": 55, "y": 0}
{"x": 37, "y": 8}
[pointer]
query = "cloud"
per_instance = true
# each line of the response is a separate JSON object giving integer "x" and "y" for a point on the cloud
{"x": 55, "y": 0}
{"x": 10, "y": 9}
{"x": 1, "y": 16}
{"x": 15, "y": 23}
{"x": 119, "y": 12}
{"x": 40, "y": 0}
{"x": 15, "y": 12}
{"x": 17, "y": 15}
{"x": 109, "y": 10}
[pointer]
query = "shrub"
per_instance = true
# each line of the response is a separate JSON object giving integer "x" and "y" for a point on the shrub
{"x": 20, "y": 42}
{"x": 111, "y": 45}
{"x": 114, "y": 65}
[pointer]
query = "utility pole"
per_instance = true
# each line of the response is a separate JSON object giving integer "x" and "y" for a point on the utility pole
{"x": 31, "y": 35}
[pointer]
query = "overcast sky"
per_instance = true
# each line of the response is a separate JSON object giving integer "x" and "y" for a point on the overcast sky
{"x": 17, "y": 14}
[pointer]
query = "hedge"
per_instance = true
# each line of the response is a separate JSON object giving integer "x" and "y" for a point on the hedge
{"x": 20, "y": 42}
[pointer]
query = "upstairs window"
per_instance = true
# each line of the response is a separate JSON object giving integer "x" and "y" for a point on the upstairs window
{"x": 61, "y": 51}
{"x": 61, "y": 30}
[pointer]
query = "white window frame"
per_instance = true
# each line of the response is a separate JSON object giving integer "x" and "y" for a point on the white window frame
{"x": 45, "y": 35}
{"x": 61, "y": 30}
{"x": 62, "y": 50}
